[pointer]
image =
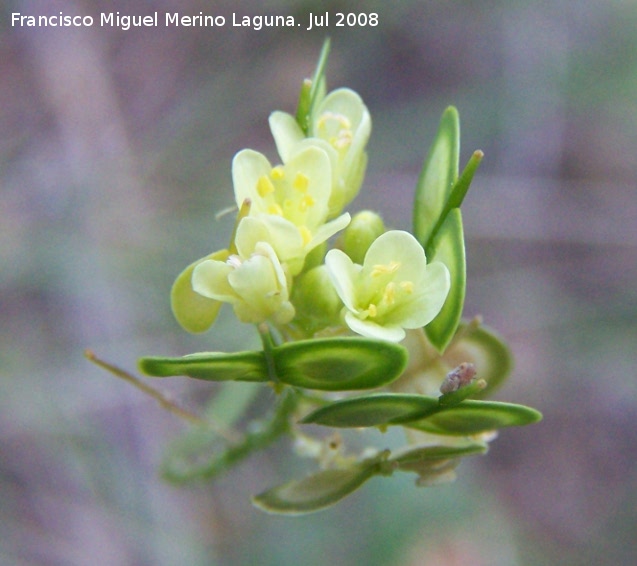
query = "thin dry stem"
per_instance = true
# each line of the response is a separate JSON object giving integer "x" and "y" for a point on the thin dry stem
{"x": 159, "y": 396}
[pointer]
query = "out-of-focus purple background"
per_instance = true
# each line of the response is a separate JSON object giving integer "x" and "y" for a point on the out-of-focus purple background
{"x": 115, "y": 154}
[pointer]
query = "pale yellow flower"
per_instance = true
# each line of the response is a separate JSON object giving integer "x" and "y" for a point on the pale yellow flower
{"x": 394, "y": 289}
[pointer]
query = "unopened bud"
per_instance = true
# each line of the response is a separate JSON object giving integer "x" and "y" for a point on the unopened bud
{"x": 459, "y": 377}
{"x": 364, "y": 228}
{"x": 315, "y": 299}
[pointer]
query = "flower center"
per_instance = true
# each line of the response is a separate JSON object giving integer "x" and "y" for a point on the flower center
{"x": 337, "y": 129}
{"x": 388, "y": 296}
{"x": 290, "y": 200}
{"x": 234, "y": 261}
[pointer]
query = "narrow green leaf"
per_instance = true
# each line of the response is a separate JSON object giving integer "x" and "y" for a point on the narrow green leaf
{"x": 315, "y": 492}
{"x": 209, "y": 366}
{"x": 458, "y": 192}
{"x": 437, "y": 177}
{"x": 473, "y": 417}
{"x": 449, "y": 249}
{"x": 317, "y": 91}
{"x": 373, "y": 410}
{"x": 303, "y": 105}
{"x": 194, "y": 312}
{"x": 463, "y": 183}
{"x": 339, "y": 364}
{"x": 312, "y": 92}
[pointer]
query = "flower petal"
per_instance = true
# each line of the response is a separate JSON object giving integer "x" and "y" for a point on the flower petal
{"x": 281, "y": 234}
{"x": 286, "y": 132}
{"x": 193, "y": 311}
{"x": 250, "y": 231}
{"x": 345, "y": 102}
{"x": 210, "y": 279}
{"x": 435, "y": 288}
{"x": 247, "y": 167}
{"x": 343, "y": 273}
{"x": 260, "y": 287}
{"x": 343, "y": 120}
{"x": 397, "y": 246}
{"x": 372, "y": 330}
{"x": 313, "y": 163}
{"x": 327, "y": 230}
{"x": 429, "y": 296}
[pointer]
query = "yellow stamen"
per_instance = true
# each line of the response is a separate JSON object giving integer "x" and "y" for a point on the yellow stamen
{"x": 407, "y": 286}
{"x": 343, "y": 140}
{"x": 306, "y": 202}
{"x": 343, "y": 121}
{"x": 275, "y": 209}
{"x": 305, "y": 234}
{"x": 264, "y": 186}
{"x": 372, "y": 310}
{"x": 277, "y": 173}
{"x": 389, "y": 295}
{"x": 301, "y": 182}
{"x": 380, "y": 269}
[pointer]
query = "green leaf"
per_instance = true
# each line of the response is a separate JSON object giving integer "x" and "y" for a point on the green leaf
{"x": 462, "y": 185}
{"x": 438, "y": 222}
{"x": 449, "y": 249}
{"x": 315, "y": 492}
{"x": 437, "y": 177}
{"x": 209, "y": 366}
{"x": 373, "y": 410}
{"x": 312, "y": 92}
{"x": 339, "y": 364}
{"x": 486, "y": 350}
{"x": 303, "y": 105}
{"x": 412, "y": 456}
{"x": 458, "y": 192}
{"x": 473, "y": 417}
{"x": 435, "y": 464}
{"x": 194, "y": 312}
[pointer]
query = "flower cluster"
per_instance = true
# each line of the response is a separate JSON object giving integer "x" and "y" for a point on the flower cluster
{"x": 273, "y": 270}
{"x": 380, "y": 311}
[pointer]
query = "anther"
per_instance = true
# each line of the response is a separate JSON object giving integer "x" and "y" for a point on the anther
{"x": 264, "y": 186}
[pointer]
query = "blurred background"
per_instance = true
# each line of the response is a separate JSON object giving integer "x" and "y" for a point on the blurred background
{"x": 115, "y": 152}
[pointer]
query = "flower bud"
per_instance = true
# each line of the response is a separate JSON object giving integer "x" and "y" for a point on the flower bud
{"x": 316, "y": 301}
{"x": 363, "y": 229}
{"x": 315, "y": 257}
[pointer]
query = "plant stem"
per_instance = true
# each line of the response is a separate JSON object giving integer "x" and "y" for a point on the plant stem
{"x": 268, "y": 345}
{"x": 159, "y": 396}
